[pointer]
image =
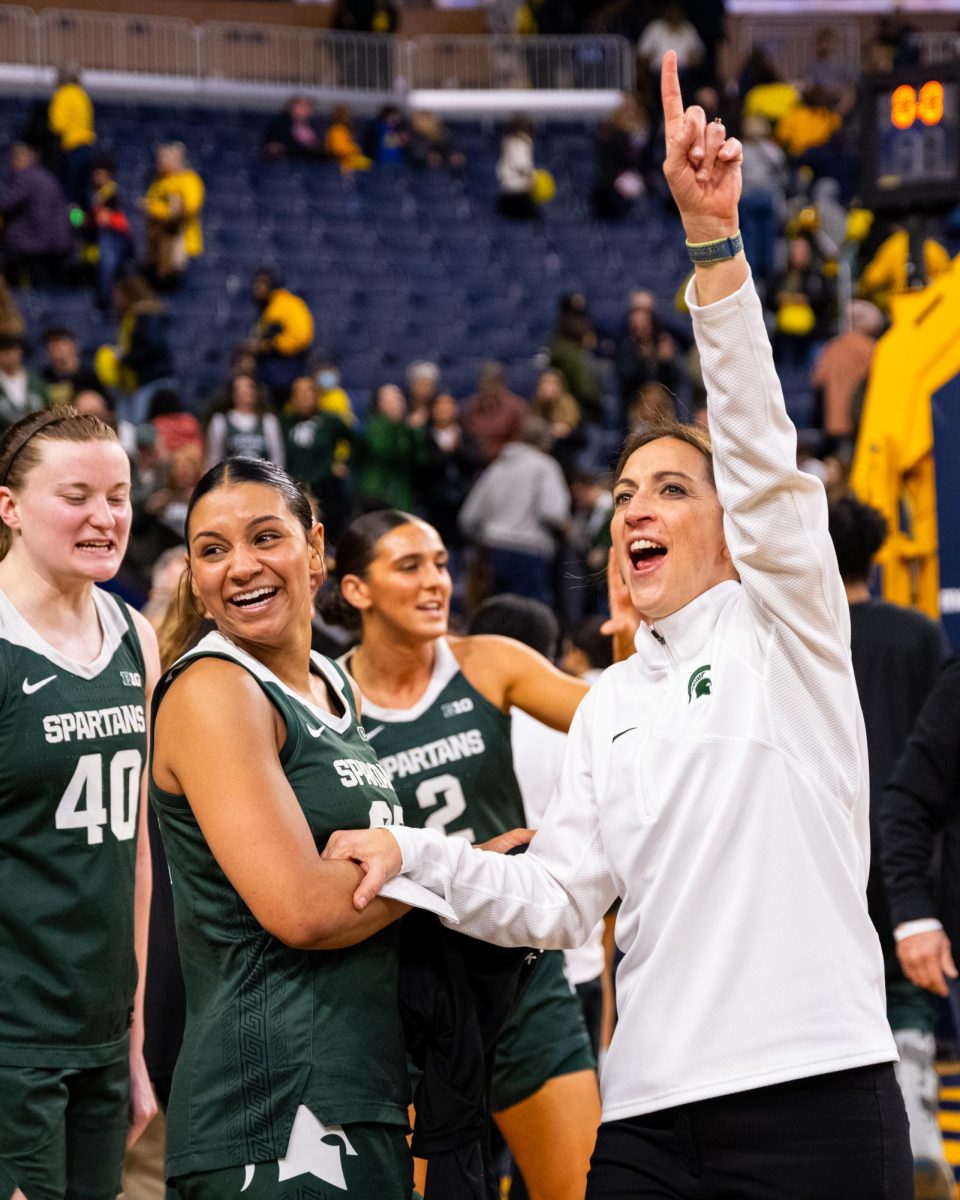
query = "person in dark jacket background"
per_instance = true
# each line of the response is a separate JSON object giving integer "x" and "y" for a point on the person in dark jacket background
{"x": 141, "y": 363}
{"x": 570, "y": 351}
{"x": 36, "y": 234}
{"x": 295, "y": 132}
{"x": 897, "y": 654}
{"x": 921, "y": 807}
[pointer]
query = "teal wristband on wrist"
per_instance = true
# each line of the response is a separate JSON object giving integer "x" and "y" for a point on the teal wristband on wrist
{"x": 704, "y": 253}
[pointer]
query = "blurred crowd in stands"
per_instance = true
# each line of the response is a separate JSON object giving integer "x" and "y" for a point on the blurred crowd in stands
{"x": 514, "y": 483}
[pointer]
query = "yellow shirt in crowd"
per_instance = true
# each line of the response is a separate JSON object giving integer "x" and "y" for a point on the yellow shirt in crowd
{"x": 295, "y": 321}
{"x": 71, "y": 116}
{"x": 886, "y": 272}
{"x": 340, "y": 144}
{"x": 804, "y": 127}
{"x": 179, "y": 197}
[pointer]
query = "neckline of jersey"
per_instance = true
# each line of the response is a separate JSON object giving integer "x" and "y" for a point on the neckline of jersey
{"x": 339, "y": 724}
{"x": 22, "y": 633}
{"x": 445, "y": 666}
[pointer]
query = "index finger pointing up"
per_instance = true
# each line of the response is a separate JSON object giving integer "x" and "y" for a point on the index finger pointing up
{"x": 670, "y": 93}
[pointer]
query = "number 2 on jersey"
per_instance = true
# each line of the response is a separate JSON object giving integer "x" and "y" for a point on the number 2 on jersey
{"x": 86, "y": 788}
{"x": 445, "y": 788}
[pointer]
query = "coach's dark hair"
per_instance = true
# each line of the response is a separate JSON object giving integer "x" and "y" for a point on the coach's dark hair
{"x": 22, "y": 444}
{"x": 356, "y": 550}
{"x": 858, "y": 531}
{"x": 521, "y": 617}
{"x": 693, "y": 435}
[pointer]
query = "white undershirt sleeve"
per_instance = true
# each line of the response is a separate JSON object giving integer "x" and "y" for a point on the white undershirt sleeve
{"x": 921, "y": 925}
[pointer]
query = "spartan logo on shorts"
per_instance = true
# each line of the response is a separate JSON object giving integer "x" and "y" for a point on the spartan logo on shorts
{"x": 310, "y": 1153}
{"x": 699, "y": 683}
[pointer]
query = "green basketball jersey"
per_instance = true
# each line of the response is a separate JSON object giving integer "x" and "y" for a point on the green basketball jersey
{"x": 449, "y": 756}
{"x": 270, "y": 1027}
{"x": 72, "y": 748}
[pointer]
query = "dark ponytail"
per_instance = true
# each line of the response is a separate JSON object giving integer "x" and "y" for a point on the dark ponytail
{"x": 356, "y": 550}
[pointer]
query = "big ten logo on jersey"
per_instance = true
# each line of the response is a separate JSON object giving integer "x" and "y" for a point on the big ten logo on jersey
{"x": 131, "y": 679}
{"x": 456, "y": 708}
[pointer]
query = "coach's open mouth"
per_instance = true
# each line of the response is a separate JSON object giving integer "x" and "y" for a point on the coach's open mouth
{"x": 643, "y": 550}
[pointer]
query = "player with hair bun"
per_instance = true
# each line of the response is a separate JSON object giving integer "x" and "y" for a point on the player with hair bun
{"x": 436, "y": 710}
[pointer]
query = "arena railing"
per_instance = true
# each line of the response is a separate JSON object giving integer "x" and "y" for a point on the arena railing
{"x": 95, "y": 41}
{"x": 246, "y": 53}
{"x": 298, "y": 57}
{"x": 520, "y": 63}
{"x": 19, "y": 35}
{"x": 791, "y": 41}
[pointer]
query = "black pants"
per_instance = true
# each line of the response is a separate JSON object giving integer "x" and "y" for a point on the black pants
{"x": 830, "y": 1137}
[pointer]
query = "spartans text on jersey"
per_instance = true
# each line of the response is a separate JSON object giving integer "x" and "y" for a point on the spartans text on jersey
{"x": 355, "y": 772}
{"x": 433, "y": 754}
{"x": 94, "y": 723}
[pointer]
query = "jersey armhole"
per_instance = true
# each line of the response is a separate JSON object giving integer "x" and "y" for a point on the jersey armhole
{"x": 504, "y": 715}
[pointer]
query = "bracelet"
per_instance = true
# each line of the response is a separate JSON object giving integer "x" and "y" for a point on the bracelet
{"x": 702, "y": 254}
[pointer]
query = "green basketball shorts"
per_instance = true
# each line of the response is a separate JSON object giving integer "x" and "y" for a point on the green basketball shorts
{"x": 63, "y": 1130}
{"x": 545, "y": 1036}
{"x": 363, "y": 1162}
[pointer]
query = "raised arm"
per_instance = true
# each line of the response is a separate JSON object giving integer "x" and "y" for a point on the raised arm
{"x": 775, "y": 516}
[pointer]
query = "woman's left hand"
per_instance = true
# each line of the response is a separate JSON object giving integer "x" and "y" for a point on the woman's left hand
{"x": 375, "y": 851}
{"x": 143, "y": 1103}
{"x": 702, "y": 165}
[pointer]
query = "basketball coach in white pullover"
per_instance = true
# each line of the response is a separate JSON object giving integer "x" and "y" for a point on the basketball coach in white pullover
{"x": 716, "y": 782}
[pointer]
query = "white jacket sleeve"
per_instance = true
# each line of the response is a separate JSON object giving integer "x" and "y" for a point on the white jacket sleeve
{"x": 553, "y": 895}
{"x": 775, "y": 515}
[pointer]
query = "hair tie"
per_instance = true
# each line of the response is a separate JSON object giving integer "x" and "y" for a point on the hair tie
{"x": 53, "y": 419}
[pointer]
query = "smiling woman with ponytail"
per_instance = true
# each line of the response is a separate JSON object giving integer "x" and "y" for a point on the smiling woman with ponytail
{"x": 293, "y": 1032}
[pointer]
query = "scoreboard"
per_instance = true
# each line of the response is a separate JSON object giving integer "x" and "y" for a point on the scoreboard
{"x": 911, "y": 139}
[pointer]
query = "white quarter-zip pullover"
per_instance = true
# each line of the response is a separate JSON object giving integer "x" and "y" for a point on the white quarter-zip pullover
{"x": 717, "y": 783}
